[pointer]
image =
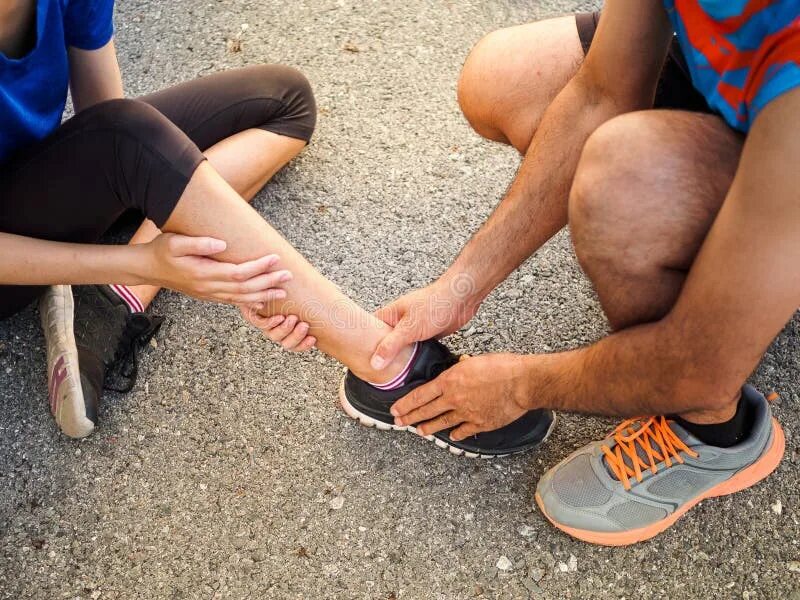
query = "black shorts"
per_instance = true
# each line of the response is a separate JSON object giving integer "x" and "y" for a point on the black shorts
{"x": 138, "y": 155}
{"x": 675, "y": 89}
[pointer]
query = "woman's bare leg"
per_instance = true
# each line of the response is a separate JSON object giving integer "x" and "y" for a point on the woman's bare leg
{"x": 247, "y": 161}
{"x": 211, "y": 207}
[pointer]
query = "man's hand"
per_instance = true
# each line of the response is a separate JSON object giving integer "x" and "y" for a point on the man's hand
{"x": 184, "y": 264}
{"x": 433, "y": 311}
{"x": 480, "y": 393}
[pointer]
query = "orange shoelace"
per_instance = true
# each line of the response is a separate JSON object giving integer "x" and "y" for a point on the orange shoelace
{"x": 655, "y": 437}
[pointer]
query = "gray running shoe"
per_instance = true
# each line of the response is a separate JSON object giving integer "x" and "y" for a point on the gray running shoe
{"x": 649, "y": 472}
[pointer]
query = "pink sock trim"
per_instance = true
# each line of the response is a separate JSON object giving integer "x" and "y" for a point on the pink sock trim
{"x": 400, "y": 379}
{"x": 127, "y": 296}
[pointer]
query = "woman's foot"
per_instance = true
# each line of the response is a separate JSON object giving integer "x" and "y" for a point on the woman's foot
{"x": 649, "y": 472}
{"x": 370, "y": 405}
{"x": 56, "y": 311}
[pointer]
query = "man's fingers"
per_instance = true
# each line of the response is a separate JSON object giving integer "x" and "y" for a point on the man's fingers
{"x": 464, "y": 431}
{"x": 426, "y": 412}
{"x": 420, "y": 396}
{"x": 389, "y": 314}
{"x": 391, "y": 345}
{"x": 184, "y": 245}
{"x": 445, "y": 421}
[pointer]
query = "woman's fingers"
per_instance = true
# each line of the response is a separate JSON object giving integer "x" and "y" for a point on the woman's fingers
{"x": 253, "y": 268}
{"x": 290, "y": 332}
{"x": 297, "y": 335}
{"x": 209, "y": 270}
{"x": 306, "y": 344}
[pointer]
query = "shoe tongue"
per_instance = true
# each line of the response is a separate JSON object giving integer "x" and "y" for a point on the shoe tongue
{"x": 684, "y": 436}
{"x": 679, "y": 431}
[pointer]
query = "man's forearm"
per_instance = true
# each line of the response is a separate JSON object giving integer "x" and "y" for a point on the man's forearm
{"x": 28, "y": 261}
{"x": 535, "y": 206}
{"x": 643, "y": 370}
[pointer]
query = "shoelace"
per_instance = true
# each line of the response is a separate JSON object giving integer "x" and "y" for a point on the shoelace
{"x": 138, "y": 331}
{"x": 646, "y": 432}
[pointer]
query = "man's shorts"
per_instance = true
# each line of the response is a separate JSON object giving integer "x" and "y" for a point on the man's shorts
{"x": 675, "y": 89}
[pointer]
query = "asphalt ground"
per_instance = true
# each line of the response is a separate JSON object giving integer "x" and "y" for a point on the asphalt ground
{"x": 229, "y": 473}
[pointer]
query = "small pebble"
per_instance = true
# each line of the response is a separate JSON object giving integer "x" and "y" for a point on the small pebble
{"x": 504, "y": 564}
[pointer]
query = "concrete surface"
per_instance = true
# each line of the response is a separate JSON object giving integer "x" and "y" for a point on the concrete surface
{"x": 229, "y": 473}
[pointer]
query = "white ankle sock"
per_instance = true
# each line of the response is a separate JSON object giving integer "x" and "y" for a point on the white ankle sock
{"x": 400, "y": 379}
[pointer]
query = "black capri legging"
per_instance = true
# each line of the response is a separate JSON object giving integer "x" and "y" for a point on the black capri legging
{"x": 139, "y": 154}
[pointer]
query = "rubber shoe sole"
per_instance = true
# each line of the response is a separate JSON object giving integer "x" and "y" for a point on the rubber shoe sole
{"x": 744, "y": 479}
{"x": 368, "y": 421}
{"x": 65, "y": 393}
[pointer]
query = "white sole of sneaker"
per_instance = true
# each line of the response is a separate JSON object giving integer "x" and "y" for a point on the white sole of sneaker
{"x": 56, "y": 311}
{"x": 368, "y": 421}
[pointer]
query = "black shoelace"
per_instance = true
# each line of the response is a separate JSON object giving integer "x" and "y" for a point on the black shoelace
{"x": 138, "y": 332}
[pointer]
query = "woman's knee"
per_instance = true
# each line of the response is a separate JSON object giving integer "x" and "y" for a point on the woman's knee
{"x": 296, "y": 113}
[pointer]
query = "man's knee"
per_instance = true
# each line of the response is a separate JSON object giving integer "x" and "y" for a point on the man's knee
{"x": 608, "y": 203}
{"x": 477, "y": 87}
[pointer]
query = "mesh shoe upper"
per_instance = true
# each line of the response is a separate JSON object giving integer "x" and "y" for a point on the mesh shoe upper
{"x": 107, "y": 335}
{"x": 432, "y": 359}
{"x": 583, "y": 492}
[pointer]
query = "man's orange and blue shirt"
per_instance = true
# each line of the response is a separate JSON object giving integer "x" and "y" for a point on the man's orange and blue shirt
{"x": 742, "y": 54}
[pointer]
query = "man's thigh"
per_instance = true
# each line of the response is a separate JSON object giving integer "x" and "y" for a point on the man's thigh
{"x": 513, "y": 74}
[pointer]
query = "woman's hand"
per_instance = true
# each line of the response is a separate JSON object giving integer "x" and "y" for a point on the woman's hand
{"x": 182, "y": 263}
{"x": 288, "y": 331}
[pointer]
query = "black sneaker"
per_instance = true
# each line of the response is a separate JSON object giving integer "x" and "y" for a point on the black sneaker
{"x": 370, "y": 406}
{"x": 107, "y": 336}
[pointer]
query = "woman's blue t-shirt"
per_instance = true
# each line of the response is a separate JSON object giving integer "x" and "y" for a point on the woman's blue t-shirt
{"x": 33, "y": 89}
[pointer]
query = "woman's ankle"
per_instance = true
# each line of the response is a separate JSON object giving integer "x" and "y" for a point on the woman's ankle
{"x": 388, "y": 375}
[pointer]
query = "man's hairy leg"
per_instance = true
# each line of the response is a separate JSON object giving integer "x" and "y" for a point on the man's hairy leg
{"x": 647, "y": 191}
{"x": 209, "y": 206}
{"x": 512, "y": 75}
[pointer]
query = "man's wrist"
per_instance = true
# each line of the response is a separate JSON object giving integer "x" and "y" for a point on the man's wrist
{"x": 463, "y": 288}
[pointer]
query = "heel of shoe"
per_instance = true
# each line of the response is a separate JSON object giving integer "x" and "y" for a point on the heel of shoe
{"x": 760, "y": 469}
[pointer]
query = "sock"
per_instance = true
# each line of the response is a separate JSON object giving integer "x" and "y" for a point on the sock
{"x": 128, "y": 297}
{"x": 400, "y": 379}
{"x": 722, "y": 435}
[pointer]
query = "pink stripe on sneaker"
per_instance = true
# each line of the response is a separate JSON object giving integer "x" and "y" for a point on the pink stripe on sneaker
{"x": 128, "y": 297}
{"x": 400, "y": 379}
